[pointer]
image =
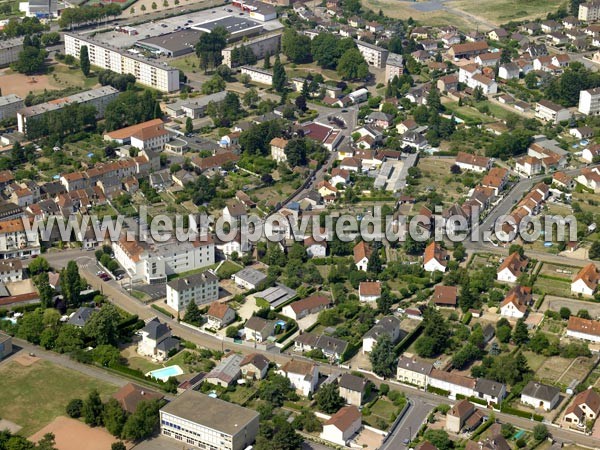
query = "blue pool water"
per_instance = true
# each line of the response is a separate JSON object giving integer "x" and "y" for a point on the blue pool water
{"x": 165, "y": 373}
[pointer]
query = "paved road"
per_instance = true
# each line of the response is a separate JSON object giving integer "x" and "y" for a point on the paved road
{"x": 408, "y": 427}
{"x": 117, "y": 295}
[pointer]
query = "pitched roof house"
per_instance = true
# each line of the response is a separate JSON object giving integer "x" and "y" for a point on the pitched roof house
{"x": 586, "y": 280}
{"x": 512, "y": 267}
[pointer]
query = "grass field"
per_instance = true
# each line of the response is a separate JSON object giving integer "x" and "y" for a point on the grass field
{"x": 436, "y": 175}
{"x": 466, "y": 14}
{"x": 554, "y": 287}
{"x": 503, "y": 11}
{"x": 63, "y": 76}
{"x": 33, "y": 396}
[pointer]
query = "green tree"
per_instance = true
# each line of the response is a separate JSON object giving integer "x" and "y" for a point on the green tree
{"x": 71, "y": 284}
{"x": 114, "y": 417}
{"x": 439, "y": 438}
{"x": 30, "y": 60}
{"x": 38, "y": 265}
{"x": 352, "y": 65}
{"x": 251, "y": 97}
{"x": 295, "y": 46}
{"x": 189, "y": 125}
{"x": 565, "y": 313}
{"x": 119, "y": 445}
{"x": 520, "y": 333}
{"x": 69, "y": 339}
{"x": 436, "y": 334}
{"x": 193, "y": 314}
{"x": 295, "y": 151}
{"x": 275, "y": 390}
{"x": 31, "y": 326}
{"x": 328, "y": 398}
{"x": 374, "y": 264}
{"x": 209, "y": 48}
{"x": 283, "y": 437}
{"x": 74, "y": 408}
{"x": 594, "y": 251}
{"x": 92, "y": 409}
{"x": 279, "y": 76}
{"x": 540, "y": 432}
{"x": 84, "y": 60}
{"x": 42, "y": 283}
{"x": 214, "y": 85}
{"x": 103, "y": 326}
{"x": 382, "y": 357}
{"x": 539, "y": 342}
{"x": 142, "y": 423}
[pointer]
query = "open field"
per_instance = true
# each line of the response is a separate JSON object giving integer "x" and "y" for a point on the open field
{"x": 33, "y": 396}
{"x": 437, "y": 176}
{"x": 21, "y": 85}
{"x": 558, "y": 271}
{"x": 465, "y": 14}
{"x": 503, "y": 11}
{"x": 554, "y": 370}
{"x": 71, "y": 434}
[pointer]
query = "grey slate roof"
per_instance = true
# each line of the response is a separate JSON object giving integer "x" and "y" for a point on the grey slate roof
{"x": 386, "y": 325}
{"x": 155, "y": 329}
{"x": 415, "y": 365}
{"x": 352, "y": 382}
{"x": 81, "y": 316}
{"x": 488, "y": 387}
{"x": 540, "y": 391}
{"x": 191, "y": 281}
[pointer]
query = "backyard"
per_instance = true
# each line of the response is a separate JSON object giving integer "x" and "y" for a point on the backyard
{"x": 33, "y": 396}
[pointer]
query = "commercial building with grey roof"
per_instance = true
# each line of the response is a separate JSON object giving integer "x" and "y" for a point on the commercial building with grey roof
{"x": 207, "y": 422}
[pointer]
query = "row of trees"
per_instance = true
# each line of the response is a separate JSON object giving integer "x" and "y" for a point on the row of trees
{"x": 10, "y": 441}
{"x": 131, "y": 108}
{"x": 32, "y": 58}
{"x": 209, "y": 48}
{"x": 119, "y": 81}
{"x": 88, "y": 14}
{"x": 21, "y": 27}
{"x": 70, "y": 119}
{"x": 118, "y": 422}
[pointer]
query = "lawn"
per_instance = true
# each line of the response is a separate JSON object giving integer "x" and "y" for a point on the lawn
{"x": 242, "y": 394}
{"x": 534, "y": 360}
{"x": 469, "y": 112}
{"x": 554, "y": 287}
{"x": 33, "y": 396}
{"x": 142, "y": 364}
{"x": 63, "y": 76}
{"x": 302, "y": 70}
{"x": 437, "y": 177}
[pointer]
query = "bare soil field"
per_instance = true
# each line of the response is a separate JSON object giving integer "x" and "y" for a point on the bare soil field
{"x": 72, "y": 434}
{"x": 21, "y": 85}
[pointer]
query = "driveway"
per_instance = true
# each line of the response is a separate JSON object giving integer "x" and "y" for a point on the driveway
{"x": 409, "y": 425}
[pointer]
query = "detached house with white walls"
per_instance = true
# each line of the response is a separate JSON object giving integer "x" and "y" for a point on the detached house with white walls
{"x": 435, "y": 258}
{"x": 512, "y": 267}
{"x": 157, "y": 340}
{"x": 586, "y": 280}
{"x": 303, "y": 375}
{"x": 540, "y": 396}
{"x": 584, "y": 329}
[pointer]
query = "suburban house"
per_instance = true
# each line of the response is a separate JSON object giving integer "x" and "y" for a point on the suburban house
{"x": 458, "y": 415}
{"x": 586, "y": 280}
{"x": 303, "y": 375}
{"x": 516, "y": 302}
{"x": 362, "y": 253}
{"x": 226, "y": 372}
{"x": 254, "y": 366}
{"x": 468, "y": 161}
{"x": 491, "y": 391}
{"x": 588, "y": 154}
{"x": 302, "y": 308}
{"x": 435, "y": 258}
{"x": 453, "y": 383}
{"x": 80, "y": 317}
{"x": 278, "y": 146}
{"x": 314, "y": 248}
{"x": 342, "y": 425}
{"x": 413, "y": 371}
{"x": 352, "y": 389}
{"x": 333, "y": 348}
{"x": 590, "y": 178}
{"x": 512, "y": 267}
{"x": 445, "y": 295}
{"x": 130, "y": 396}
{"x": 388, "y": 325}
{"x": 584, "y": 329}
{"x": 258, "y": 329}
{"x": 584, "y": 408}
{"x": 540, "y": 395}
{"x": 6, "y": 347}
{"x": 219, "y": 315}
{"x": 157, "y": 340}
{"x": 249, "y": 278}
{"x": 369, "y": 291}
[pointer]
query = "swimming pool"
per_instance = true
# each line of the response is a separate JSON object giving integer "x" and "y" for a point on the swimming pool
{"x": 165, "y": 373}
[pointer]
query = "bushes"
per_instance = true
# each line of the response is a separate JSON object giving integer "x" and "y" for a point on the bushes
{"x": 517, "y": 412}
{"x": 74, "y": 408}
{"x": 438, "y": 391}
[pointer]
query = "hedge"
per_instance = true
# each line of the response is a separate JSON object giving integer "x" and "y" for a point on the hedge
{"x": 519, "y": 413}
{"x": 408, "y": 339}
{"x": 162, "y": 310}
{"x": 471, "y": 399}
{"x": 438, "y": 391}
{"x": 288, "y": 333}
{"x": 467, "y": 318}
{"x": 481, "y": 428}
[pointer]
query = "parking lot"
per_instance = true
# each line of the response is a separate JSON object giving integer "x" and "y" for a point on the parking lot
{"x": 154, "y": 291}
{"x": 156, "y": 28}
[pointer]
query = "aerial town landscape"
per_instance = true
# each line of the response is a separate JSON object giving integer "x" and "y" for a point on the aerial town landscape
{"x": 292, "y": 224}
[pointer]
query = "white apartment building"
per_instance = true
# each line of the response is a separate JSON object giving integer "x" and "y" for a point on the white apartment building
{"x": 151, "y": 138}
{"x": 589, "y": 102}
{"x": 149, "y": 73}
{"x": 260, "y": 46}
{"x": 151, "y": 262}
{"x": 16, "y": 241}
{"x": 10, "y": 271}
{"x": 374, "y": 56}
{"x": 551, "y": 112}
{"x": 9, "y": 105}
{"x": 200, "y": 288}
{"x": 257, "y": 75}
{"x": 196, "y": 419}
{"x": 394, "y": 66}
{"x": 99, "y": 98}
{"x": 9, "y": 51}
{"x": 589, "y": 11}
